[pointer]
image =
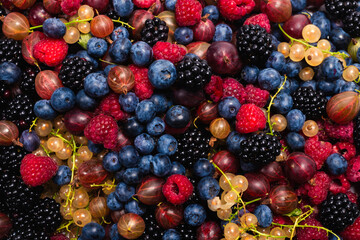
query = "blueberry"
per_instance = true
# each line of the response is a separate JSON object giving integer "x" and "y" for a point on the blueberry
{"x": 54, "y": 28}
{"x": 161, "y": 102}
{"x": 213, "y": 12}
{"x": 324, "y": 25}
{"x": 340, "y": 38}
{"x": 63, "y": 99}
{"x": 292, "y": 69}
{"x": 132, "y": 176}
{"x": 178, "y": 116}
{"x": 263, "y": 215}
{"x": 177, "y": 168}
{"x": 194, "y": 214}
{"x": 326, "y": 87}
{"x": 269, "y": 79}
{"x": 62, "y": 176}
{"x": 134, "y": 206}
{"x": 144, "y": 143}
{"x": 331, "y": 68}
{"x": 171, "y": 234}
{"x": 145, "y": 111}
{"x": 129, "y": 157}
{"x": 114, "y": 233}
{"x": 44, "y": 110}
{"x": 155, "y": 127}
{"x": 119, "y": 175}
{"x": 295, "y": 120}
{"x": 144, "y": 164}
{"x": 123, "y": 8}
{"x": 203, "y": 168}
{"x": 119, "y": 50}
{"x": 160, "y": 165}
{"x": 233, "y": 142}
{"x": 183, "y": 35}
{"x": 93, "y": 231}
{"x": 311, "y": 83}
{"x": 9, "y": 72}
{"x": 336, "y": 164}
{"x": 338, "y": 85}
{"x": 276, "y": 61}
{"x": 250, "y": 73}
{"x": 128, "y": 102}
{"x": 96, "y": 47}
{"x": 170, "y": 5}
{"x": 208, "y": 188}
{"x": 120, "y": 32}
{"x": 84, "y": 54}
{"x": 84, "y": 101}
{"x": 95, "y": 148}
{"x": 332, "y": 236}
{"x": 141, "y": 54}
{"x": 30, "y": 140}
{"x": 113, "y": 203}
{"x": 111, "y": 162}
{"x": 167, "y": 145}
{"x": 291, "y": 85}
{"x": 124, "y": 192}
{"x": 295, "y": 141}
{"x": 108, "y": 68}
{"x": 283, "y": 103}
{"x": 162, "y": 74}
{"x": 298, "y": 5}
{"x": 349, "y": 86}
{"x": 228, "y": 107}
{"x": 222, "y": 33}
{"x": 132, "y": 127}
{"x": 95, "y": 85}
{"x": 248, "y": 166}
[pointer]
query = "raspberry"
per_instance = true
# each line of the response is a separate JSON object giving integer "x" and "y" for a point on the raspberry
{"x": 215, "y": 88}
{"x": 110, "y": 105}
{"x": 353, "y": 170}
{"x": 168, "y": 51}
{"x": 177, "y": 189}
{"x": 345, "y": 149}
{"x": 318, "y": 150}
{"x": 308, "y": 233}
{"x": 259, "y": 19}
{"x": 70, "y": 7}
{"x": 37, "y": 170}
{"x": 235, "y": 9}
{"x": 102, "y": 129}
{"x": 232, "y": 88}
{"x": 256, "y": 95}
{"x": 59, "y": 237}
{"x": 142, "y": 88}
{"x": 317, "y": 188}
{"x": 250, "y": 118}
{"x": 322, "y": 134}
{"x": 341, "y": 132}
{"x": 282, "y": 220}
{"x": 187, "y": 12}
{"x": 51, "y": 51}
{"x": 343, "y": 187}
{"x": 143, "y": 3}
{"x": 352, "y": 196}
{"x": 352, "y": 232}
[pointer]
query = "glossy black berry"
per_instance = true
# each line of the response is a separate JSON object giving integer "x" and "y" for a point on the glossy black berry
{"x": 340, "y": 8}
{"x": 27, "y": 84}
{"x": 193, "y": 73}
{"x": 46, "y": 215}
{"x": 10, "y": 51}
{"x": 152, "y": 229}
{"x": 337, "y": 212}
{"x": 11, "y": 157}
{"x": 352, "y": 24}
{"x": 155, "y": 30}
{"x": 254, "y": 44}
{"x": 309, "y": 102}
{"x": 187, "y": 232}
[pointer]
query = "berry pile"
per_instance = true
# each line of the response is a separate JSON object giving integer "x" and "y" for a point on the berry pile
{"x": 179, "y": 120}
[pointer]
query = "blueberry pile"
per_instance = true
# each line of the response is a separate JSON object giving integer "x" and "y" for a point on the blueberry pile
{"x": 179, "y": 120}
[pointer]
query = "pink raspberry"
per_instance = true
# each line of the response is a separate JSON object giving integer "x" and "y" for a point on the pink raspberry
{"x": 353, "y": 170}
{"x": 110, "y": 105}
{"x": 232, "y": 88}
{"x": 187, "y": 12}
{"x": 343, "y": 187}
{"x": 250, "y": 118}
{"x": 70, "y": 7}
{"x": 342, "y": 132}
{"x": 59, "y": 237}
{"x": 143, "y": 3}
{"x": 317, "y": 188}
{"x": 215, "y": 88}
{"x": 308, "y": 233}
{"x": 318, "y": 150}
{"x": 177, "y": 189}
{"x": 345, "y": 149}
{"x": 259, "y": 19}
{"x": 168, "y": 51}
{"x": 235, "y": 9}
{"x": 256, "y": 95}
{"x": 322, "y": 134}
{"x": 142, "y": 88}
{"x": 352, "y": 196}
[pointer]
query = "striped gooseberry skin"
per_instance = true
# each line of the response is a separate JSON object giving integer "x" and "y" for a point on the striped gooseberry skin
{"x": 8, "y": 133}
{"x": 149, "y": 191}
{"x": 5, "y": 225}
{"x": 259, "y": 186}
{"x": 16, "y": 26}
{"x": 168, "y": 215}
{"x": 283, "y": 199}
{"x": 343, "y": 107}
{"x": 131, "y": 226}
{"x": 207, "y": 111}
{"x": 46, "y": 82}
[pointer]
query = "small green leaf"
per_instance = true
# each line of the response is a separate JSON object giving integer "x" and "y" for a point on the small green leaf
{"x": 296, "y": 212}
{"x": 84, "y": 38}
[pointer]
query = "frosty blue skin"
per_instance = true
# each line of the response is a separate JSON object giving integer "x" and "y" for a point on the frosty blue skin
{"x": 162, "y": 74}
{"x": 194, "y": 214}
{"x": 264, "y": 215}
{"x": 95, "y": 85}
{"x": 63, "y": 99}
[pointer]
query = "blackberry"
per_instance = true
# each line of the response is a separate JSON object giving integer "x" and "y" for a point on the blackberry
{"x": 340, "y": 8}
{"x": 337, "y": 212}
{"x": 11, "y": 157}
{"x": 20, "y": 111}
{"x": 27, "y": 234}
{"x": 46, "y": 215}
{"x": 155, "y": 30}
{"x": 152, "y": 229}
{"x": 187, "y": 232}
{"x": 356, "y": 133}
{"x": 193, "y": 73}
{"x": 311, "y": 103}
{"x": 5, "y": 90}
{"x": 352, "y": 24}
{"x": 27, "y": 84}
{"x": 260, "y": 149}
{"x": 10, "y": 51}
{"x": 192, "y": 145}
{"x": 73, "y": 71}
{"x": 254, "y": 44}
